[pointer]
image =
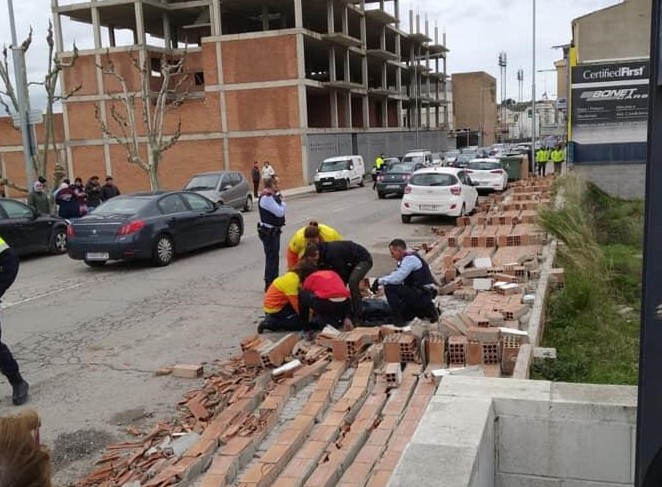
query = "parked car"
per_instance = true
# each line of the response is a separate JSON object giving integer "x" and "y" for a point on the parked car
{"x": 488, "y": 174}
{"x": 28, "y": 231}
{"x": 439, "y": 191}
{"x": 396, "y": 178}
{"x": 450, "y": 157}
{"x": 155, "y": 226}
{"x": 419, "y": 156}
{"x": 340, "y": 173}
{"x": 223, "y": 187}
{"x": 463, "y": 160}
{"x": 437, "y": 158}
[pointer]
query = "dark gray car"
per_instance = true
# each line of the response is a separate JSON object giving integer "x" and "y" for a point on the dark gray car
{"x": 223, "y": 187}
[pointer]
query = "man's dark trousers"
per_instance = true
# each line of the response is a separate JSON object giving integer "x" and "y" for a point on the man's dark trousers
{"x": 271, "y": 242}
{"x": 8, "y": 272}
{"x": 358, "y": 273}
{"x": 287, "y": 319}
{"x": 256, "y": 187}
{"x": 407, "y": 302}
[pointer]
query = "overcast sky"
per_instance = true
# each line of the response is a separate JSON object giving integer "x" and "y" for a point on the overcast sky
{"x": 476, "y": 30}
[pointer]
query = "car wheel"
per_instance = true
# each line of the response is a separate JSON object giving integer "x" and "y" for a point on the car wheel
{"x": 347, "y": 184}
{"x": 233, "y": 236}
{"x": 58, "y": 241}
{"x": 95, "y": 263}
{"x": 164, "y": 250}
{"x": 406, "y": 218}
{"x": 248, "y": 206}
{"x": 463, "y": 210}
{"x": 319, "y": 190}
{"x": 381, "y": 195}
{"x": 362, "y": 182}
{"x": 505, "y": 185}
{"x": 476, "y": 205}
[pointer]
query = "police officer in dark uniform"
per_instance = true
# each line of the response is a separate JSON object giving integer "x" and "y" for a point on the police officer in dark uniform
{"x": 8, "y": 365}
{"x": 411, "y": 288}
{"x": 271, "y": 208}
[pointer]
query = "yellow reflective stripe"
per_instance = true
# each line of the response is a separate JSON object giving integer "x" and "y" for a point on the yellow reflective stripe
{"x": 3, "y": 245}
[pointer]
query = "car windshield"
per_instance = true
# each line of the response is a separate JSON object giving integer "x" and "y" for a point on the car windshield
{"x": 484, "y": 165}
{"x": 452, "y": 153}
{"x": 203, "y": 182}
{"x": 464, "y": 157}
{"x": 122, "y": 206}
{"x": 330, "y": 166}
{"x": 406, "y": 168}
{"x": 433, "y": 179}
{"x": 413, "y": 159}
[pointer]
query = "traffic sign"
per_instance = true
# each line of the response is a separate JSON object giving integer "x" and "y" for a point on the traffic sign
{"x": 34, "y": 117}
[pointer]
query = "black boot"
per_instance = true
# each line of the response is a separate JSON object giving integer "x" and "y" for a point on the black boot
{"x": 20, "y": 393}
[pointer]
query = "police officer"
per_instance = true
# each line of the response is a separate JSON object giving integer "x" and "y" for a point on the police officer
{"x": 558, "y": 156}
{"x": 411, "y": 288}
{"x": 271, "y": 208}
{"x": 542, "y": 157}
{"x": 8, "y": 365}
{"x": 379, "y": 165}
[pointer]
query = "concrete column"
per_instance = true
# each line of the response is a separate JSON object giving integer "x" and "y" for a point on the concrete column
{"x": 298, "y": 14}
{"x": 385, "y": 112}
{"x": 333, "y": 101}
{"x": 167, "y": 37}
{"x": 111, "y": 35}
{"x": 139, "y": 33}
{"x": 348, "y": 110}
{"x": 345, "y": 20}
{"x": 265, "y": 17}
{"x": 96, "y": 28}
{"x": 330, "y": 21}
{"x": 400, "y": 124}
{"x": 366, "y": 112}
{"x": 215, "y": 11}
{"x": 382, "y": 38}
{"x": 333, "y": 75}
{"x": 347, "y": 66}
{"x": 396, "y": 11}
{"x": 57, "y": 28}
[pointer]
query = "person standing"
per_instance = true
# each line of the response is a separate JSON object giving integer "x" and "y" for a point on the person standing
{"x": 255, "y": 175}
{"x": 379, "y": 164}
{"x": 558, "y": 157}
{"x": 93, "y": 191}
{"x": 349, "y": 260}
{"x": 411, "y": 288}
{"x": 271, "y": 209}
{"x": 109, "y": 190}
{"x": 67, "y": 203}
{"x": 267, "y": 171}
{"x": 39, "y": 199}
{"x": 8, "y": 365}
{"x": 542, "y": 157}
{"x": 81, "y": 196}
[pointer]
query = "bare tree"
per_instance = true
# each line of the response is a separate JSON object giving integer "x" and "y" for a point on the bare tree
{"x": 154, "y": 107}
{"x": 9, "y": 101}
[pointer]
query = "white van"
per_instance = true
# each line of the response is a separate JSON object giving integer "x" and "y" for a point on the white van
{"x": 340, "y": 173}
{"x": 416, "y": 156}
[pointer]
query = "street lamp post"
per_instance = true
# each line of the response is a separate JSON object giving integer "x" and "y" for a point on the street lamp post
{"x": 22, "y": 96}
{"x": 533, "y": 81}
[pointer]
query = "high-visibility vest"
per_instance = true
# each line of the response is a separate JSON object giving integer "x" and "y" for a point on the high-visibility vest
{"x": 541, "y": 156}
{"x": 557, "y": 155}
{"x": 3, "y": 245}
{"x": 379, "y": 162}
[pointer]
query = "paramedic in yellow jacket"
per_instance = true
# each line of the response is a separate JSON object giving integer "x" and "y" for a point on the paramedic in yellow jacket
{"x": 281, "y": 301}
{"x": 313, "y": 232}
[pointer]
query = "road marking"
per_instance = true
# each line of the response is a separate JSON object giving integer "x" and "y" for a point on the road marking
{"x": 340, "y": 209}
{"x": 45, "y": 295}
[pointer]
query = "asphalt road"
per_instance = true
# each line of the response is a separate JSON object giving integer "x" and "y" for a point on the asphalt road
{"x": 89, "y": 340}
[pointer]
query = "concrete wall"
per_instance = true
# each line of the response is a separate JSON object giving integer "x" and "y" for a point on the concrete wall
{"x": 623, "y": 180}
{"x": 485, "y": 432}
{"x": 474, "y": 103}
{"x": 618, "y": 32}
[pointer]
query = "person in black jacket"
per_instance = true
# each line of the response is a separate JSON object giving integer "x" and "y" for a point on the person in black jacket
{"x": 109, "y": 190}
{"x": 93, "y": 191}
{"x": 349, "y": 260}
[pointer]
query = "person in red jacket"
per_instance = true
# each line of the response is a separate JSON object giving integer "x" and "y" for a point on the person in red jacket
{"x": 325, "y": 293}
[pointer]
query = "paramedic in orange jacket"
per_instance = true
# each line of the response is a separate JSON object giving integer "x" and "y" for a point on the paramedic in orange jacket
{"x": 313, "y": 232}
{"x": 281, "y": 301}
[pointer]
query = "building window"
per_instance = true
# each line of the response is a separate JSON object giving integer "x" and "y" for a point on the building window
{"x": 199, "y": 78}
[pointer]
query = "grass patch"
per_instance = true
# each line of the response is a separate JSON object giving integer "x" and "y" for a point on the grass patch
{"x": 593, "y": 322}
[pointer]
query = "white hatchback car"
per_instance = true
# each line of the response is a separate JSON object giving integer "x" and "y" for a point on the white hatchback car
{"x": 439, "y": 191}
{"x": 488, "y": 174}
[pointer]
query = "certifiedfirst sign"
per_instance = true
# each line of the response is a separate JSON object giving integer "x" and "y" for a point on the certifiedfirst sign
{"x": 606, "y": 95}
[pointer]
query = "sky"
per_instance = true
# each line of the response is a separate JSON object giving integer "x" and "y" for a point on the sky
{"x": 476, "y": 32}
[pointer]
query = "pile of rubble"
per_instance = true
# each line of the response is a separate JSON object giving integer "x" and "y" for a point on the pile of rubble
{"x": 340, "y": 411}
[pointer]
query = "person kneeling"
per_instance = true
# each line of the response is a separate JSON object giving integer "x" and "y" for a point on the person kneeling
{"x": 281, "y": 301}
{"x": 411, "y": 288}
{"x": 325, "y": 294}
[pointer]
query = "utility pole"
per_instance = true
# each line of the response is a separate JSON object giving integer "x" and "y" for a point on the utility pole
{"x": 503, "y": 62}
{"x": 533, "y": 82}
{"x": 23, "y": 98}
{"x": 520, "y": 83}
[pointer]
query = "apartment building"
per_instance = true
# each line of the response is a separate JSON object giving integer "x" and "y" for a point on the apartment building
{"x": 475, "y": 106}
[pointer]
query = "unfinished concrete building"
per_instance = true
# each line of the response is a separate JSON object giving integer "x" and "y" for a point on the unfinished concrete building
{"x": 289, "y": 81}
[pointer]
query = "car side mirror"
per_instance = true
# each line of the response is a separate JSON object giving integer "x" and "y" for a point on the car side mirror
{"x": 35, "y": 213}
{"x": 351, "y": 168}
